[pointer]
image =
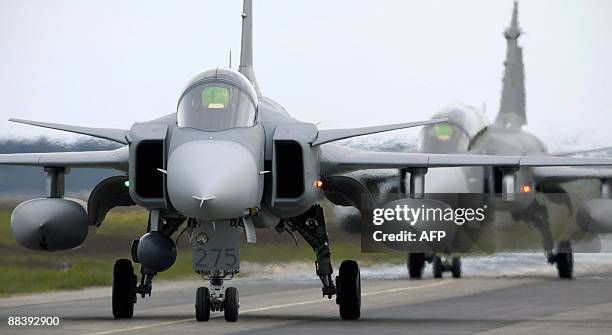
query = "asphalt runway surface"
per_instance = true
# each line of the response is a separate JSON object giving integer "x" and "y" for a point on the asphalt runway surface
{"x": 521, "y": 304}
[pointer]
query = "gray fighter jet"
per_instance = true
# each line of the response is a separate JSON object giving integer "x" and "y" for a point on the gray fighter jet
{"x": 468, "y": 131}
{"x": 229, "y": 159}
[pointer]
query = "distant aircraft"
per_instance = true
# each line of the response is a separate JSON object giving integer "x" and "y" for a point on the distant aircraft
{"x": 468, "y": 131}
{"x": 229, "y": 159}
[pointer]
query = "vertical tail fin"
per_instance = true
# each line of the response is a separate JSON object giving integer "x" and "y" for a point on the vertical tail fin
{"x": 512, "y": 107}
{"x": 246, "y": 49}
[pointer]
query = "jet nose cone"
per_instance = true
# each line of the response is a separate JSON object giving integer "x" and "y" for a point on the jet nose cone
{"x": 212, "y": 180}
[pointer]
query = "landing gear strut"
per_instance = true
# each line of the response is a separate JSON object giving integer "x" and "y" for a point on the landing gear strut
{"x": 563, "y": 257}
{"x": 156, "y": 252}
{"x": 311, "y": 226}
{"x": 126, "y": 288}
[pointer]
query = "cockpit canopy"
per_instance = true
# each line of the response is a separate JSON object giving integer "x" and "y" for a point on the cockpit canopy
{"x": 217, "y": 100}
{"x": 464, "y": 124}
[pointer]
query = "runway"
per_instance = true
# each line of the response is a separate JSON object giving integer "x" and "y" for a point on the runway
{"x": 529, "y": 304}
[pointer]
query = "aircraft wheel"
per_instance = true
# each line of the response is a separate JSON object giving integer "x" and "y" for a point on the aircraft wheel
{"x": 124, "y": 289}
{"x": 565, "y": 260}
{"x": 349, "y": 290}
{"x": 231, "y": 304}
{"x": 437, "y": 267}
{"x": 416, "y": 263}
{"x": 456, "y": 267}
{"x": 202, "y": 304}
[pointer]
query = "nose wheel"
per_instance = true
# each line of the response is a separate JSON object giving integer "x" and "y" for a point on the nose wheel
{"x": 202, "y": 305}
{"x": 452, "y": 265}
{"x": 217, "y": 300}
{"x": 231, "y": 304}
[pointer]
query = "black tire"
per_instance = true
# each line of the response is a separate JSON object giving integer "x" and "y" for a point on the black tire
{"x": 349, "y": 290}
{"x": 437, "y": 267}
{"x": 416, "y": 264}
{"x": 565, "y": 260}
{"x": 231, "y": 304}
{"x": 202, "y": 304}
{"x": 456, "y": 267}
{"x": 124, "y": 289}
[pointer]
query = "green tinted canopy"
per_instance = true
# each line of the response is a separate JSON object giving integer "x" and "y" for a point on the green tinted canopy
{"x": 215, "y": 97}
{"x": 443, "y": 131}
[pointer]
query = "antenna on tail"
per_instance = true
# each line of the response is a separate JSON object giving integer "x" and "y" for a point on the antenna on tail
{"x": 246, "y": 51}
{"x": 512, "y": 109}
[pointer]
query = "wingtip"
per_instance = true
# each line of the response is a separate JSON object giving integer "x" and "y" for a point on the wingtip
{"x": 19, "y": 120}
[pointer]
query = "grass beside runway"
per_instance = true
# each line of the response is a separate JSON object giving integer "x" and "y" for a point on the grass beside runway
{"x": 25, "y": 271}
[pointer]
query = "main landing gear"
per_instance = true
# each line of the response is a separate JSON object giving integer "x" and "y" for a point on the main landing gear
{"x": 156, "y": 252}
{"x": 537, "y": 214}
{"x": 125, "y": 288}
{"x": 216, "y": 257}
{"x": 416, "y": 265}
{"x": 311, "y": 226}
{"x": 564, "y": 259}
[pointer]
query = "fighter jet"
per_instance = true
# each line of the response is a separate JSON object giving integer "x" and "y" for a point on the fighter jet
{"x": 468, "y": 131}
{"x": 228, "y": 159}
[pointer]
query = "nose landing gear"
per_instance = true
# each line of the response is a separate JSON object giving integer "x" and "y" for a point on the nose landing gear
{"x": 452, "y": 264}
{"x": 217, "y": 300}
{"x": 216, "y": 257}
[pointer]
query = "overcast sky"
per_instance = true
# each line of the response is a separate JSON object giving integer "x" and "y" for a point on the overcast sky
{"x": 340, "y": 62}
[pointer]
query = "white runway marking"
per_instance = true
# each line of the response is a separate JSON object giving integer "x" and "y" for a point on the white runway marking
{"x": 267, "y": 308}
